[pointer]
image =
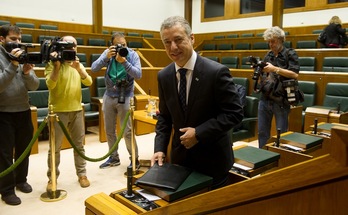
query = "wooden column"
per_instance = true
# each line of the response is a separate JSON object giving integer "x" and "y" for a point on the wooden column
{"x": 188, "y": 11}
{"x": 97, "y": 12}
{"x": 277, "y": 17}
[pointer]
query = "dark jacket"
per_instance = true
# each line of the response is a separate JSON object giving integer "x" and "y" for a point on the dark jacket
{"x": 334, "y": 33}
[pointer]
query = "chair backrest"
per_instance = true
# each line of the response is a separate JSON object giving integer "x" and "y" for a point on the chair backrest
{"x": 133, "y": 34}
{"x": 39, "y": 98}
{"x": 260, "y": 45}
{"x": 309, "y": 89}
{"x": 27, "y": 38}
{"x": 48, "y": 27}
{"x": 94, "y": 57}
{"x": 259, "y": 35}
{"x": 105, "y": 32}
{"x": 336, "y": 93}
{"x": 219, "y": 37}
{"x": 214, "y": 58}
{"x": 232, "y": 36}
{"x": 148, "y": 35}
{"x": 244, "y": 64}
{"x": 307, "y": 63}
{"x": 225, "y": 46}
{"x": 25, "y": 25}
{"x": 82, "y": 57}
{"x": 79, "y": 40}
{"x": 45, "y": 37}
{"x": 335, "y": 64}
{"x": 242, "y": 46}
{"x": 230, "y": 61}
{"x": 209, "y": 46}
{"x": 4, "y": 22}
{"x": 318, "y": 31}
{"x": 247, "y": 35}
{"x": 134, "y": 44}
{"x": 96, "y": 42}
{"x": 100, "y": 86}
{"x": 90, "y": 114}
{"x": 287, "y": 44}
{"x": 242, "y": 81}
{"x": 306, "y": 44}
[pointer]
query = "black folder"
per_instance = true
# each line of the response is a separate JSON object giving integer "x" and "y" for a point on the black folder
{"x": 169, "y": 176}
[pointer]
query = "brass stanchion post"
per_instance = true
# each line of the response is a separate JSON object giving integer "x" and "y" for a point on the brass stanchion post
{"x": 54, "y": 194}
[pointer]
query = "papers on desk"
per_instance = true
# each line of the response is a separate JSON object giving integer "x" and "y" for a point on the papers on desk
{"x": 295, "y": 148}
{"x": 148, "y": 195}
{"x": 240, "y": 166}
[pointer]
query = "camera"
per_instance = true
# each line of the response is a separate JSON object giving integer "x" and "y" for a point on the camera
{"x": 123, "y": 51}
{"x": 122, "y": 84}
{"x": 63, "y": 48}
{"x": 258, "y": 66}
{"x": 25, "y": 57}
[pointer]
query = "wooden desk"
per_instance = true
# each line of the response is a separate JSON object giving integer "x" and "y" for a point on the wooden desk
{"x": 143, "y": 123}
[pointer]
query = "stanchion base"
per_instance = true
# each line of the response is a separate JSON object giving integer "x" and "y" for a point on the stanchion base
{"x": 137, "y": 172}
{"x": 51, "y": 196}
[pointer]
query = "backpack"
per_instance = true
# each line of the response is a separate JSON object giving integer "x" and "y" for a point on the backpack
{"x": 322, "y": 37}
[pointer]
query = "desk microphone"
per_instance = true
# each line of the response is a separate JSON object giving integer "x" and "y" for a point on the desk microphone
{"x": 315, "y": 129}
{"x": 277, "y": 142}
{"x": 338, "y": 107}
{"x": 129, "y": 193}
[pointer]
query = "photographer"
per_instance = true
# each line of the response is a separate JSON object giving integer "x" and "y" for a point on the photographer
{"x": 15, "y": 116}
{"x": 123, "y": 66}
{"x": 64, "y": 76}
{"x": 281, "y": 64}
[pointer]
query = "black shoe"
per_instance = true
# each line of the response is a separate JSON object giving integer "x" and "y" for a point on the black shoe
{"x": 24, "y": 187}
{"x": 11, "y": 199}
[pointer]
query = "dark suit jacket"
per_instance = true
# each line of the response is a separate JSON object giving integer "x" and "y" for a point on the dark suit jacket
{"x": 213, "y": 109}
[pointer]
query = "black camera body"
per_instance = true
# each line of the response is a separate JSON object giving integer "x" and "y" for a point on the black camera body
{"x": 25, "y": 57}
{"x": 258, "y": 66}
{"x": 63, "y": 48}
{"x": 123, "y": 51}
{"x": 122, "y": 85}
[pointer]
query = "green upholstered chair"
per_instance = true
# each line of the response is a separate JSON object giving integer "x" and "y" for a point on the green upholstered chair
{"x": 209, "y": 46}
{"x": 232, "y": 36}
{"x": 214, "y": 58}
{"x": 287, "y": 44}
{"x": 94, "y": 57}
{"x": 96, "y": 42}
{"x": 230, "y": 61}
{"x": 219, "y": 37}
{"x": 4, "y": 22}
{"x": 135, "y": 44}
{"x": 105, "y": 32}
{"x": 148, "y": 35}
{"x": 79, "y": 40}
{"x": 82, "y": 57}
{"x": 133, "y": 34}
{"x": 242, "y": 81}
{"x": 25, "y": 25}
{"x": 242, "y": 46}
{"x": 244, "y": 64}
{"x": 48, "y": 27}
{"x": 100, "y": 86}
{"x": 307, "y": 63}
{"x": 91, "y": 114}
{"x": 309, "y": 89}
{"x": 39, "y": 99}
{"x": 249, "y": 122}
{"x": 318, "y": 31}
{"x": 259, "y": 35}
{"x": 260, "y": 45}
{"x": 27, "y": 38}
{"x": 306, "y": 44}
{"x": 335, "y": 64}
{"x": 225, "y": 46}
{"x": 247, "y": 35}
{"x": 45, "y": 37}
{"x": 336, "y": 93}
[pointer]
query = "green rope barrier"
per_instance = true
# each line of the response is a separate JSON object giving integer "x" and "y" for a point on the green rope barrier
{"x": 26, "y": 151}
{"x": 95, "y": 159}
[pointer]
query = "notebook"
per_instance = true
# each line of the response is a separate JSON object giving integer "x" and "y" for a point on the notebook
{"x": 169, "y": 176}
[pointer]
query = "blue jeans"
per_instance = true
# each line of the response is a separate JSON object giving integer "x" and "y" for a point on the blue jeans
{"x": 266, "y": 111}
{"x": 112, "y": 109}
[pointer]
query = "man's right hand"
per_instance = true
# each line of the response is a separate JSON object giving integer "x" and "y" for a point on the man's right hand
{"x": 159, "y": 158}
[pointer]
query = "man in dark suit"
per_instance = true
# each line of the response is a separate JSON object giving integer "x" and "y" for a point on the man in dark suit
{"x": 209, "y": 110}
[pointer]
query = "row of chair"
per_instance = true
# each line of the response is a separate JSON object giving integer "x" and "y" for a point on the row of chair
{"x": 330, "y": 64}
{"x": 241, "y": 35}
{"x": 304, "y": 44}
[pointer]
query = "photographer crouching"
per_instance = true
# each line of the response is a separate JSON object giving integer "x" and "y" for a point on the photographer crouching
{"x": 123, "y": 66}
{"x": 281, "y": 64}
{"x": 64, "y": 74}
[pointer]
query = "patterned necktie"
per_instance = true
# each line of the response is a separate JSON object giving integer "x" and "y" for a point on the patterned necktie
{"x": 182, "y": 90}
